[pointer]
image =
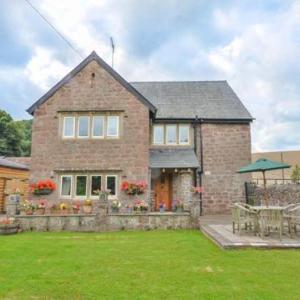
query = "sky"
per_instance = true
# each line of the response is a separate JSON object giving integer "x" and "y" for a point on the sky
{"x": 254, "y": 45}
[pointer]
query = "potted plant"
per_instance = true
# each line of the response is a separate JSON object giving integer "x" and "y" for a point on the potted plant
{"x": 76, "y": 208}
{"x": 140, "y": 206}
{"x": 54, "y": 209}
{"x": 8, "y": 226}
{"x": 162, "y": 207}
{"x": 115, "y": 206}
{"x": 43, "y": 187}
{"x": 41, "y": 207}
{"x": 63, "y": 208}
{"x": 197, "y": 189}
{"x": 129, "y": 209}
{"x": 178, "y": 206}
{"x": 87, "y": 206}
{"x": 103, "y": 194}
{"x": 134, "y": 188}
{"x": 27, "y": 208}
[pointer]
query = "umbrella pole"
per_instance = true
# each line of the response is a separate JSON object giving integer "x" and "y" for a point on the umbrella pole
{"x": 265, "y": 190}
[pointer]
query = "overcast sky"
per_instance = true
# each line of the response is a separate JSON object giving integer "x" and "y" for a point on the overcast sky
{"x": 254, "y": 45}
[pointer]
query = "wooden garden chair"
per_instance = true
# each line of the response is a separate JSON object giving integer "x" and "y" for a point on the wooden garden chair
{"x": 243, "y": 217}
{"x": 293, "y": 218}
{"x": 271, "y": 220}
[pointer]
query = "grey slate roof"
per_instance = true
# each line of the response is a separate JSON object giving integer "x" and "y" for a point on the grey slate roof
{"x": 186, "y": 99}
{"x": 173, "y": 158}
{"x": 11, "y": 164}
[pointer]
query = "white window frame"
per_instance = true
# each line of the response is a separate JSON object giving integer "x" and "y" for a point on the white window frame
{"x": 71, "y": 191}
{"x": 116, "y": 181}
{"x": 90, "y": 185}
{"x": 92, "y": 129}
{"x": 64, "y": 125}
{"x": 188, "y": 127}
{"x": 88, "y": 125}
{"x": 154, "y": 136}
{"x": 167, "y": 129}
{"x": 118, "y": 123}
{"x": 86, "y": 188}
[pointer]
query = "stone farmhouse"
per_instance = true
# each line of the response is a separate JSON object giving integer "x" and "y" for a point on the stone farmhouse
{"x": 184, "y": 139}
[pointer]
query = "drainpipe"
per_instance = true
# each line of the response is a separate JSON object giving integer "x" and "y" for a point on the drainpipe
{"x": 199, "y": 172}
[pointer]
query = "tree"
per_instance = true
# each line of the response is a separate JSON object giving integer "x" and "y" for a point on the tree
{"x": 15, "y": 136}
{"x": 296, "y": 174}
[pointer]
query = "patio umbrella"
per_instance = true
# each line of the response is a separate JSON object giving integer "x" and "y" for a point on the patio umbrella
{"x": 263, "y": 165}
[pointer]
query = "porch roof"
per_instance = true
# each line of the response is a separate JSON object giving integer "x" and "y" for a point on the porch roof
{"x": 173, "y": 158}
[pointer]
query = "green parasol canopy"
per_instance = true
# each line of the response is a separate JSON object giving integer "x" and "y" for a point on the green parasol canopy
{"x": 263, "y": 165}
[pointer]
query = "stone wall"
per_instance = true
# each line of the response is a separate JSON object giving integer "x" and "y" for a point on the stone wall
{"x": 281, "y": 194}
{"x": 226, "y": 148}
{"x": 126, "y": 156}
{"x": 97, "y": 223}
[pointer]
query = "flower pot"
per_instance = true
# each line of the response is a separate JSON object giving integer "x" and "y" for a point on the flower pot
{"x": 6, "y": 229}
{"x": 29, "y": 212}
{"x": 63, "y": 212}
{"x": 115, "y": 210}
{"x": 87, "y": 209}
{"x": 161, "y": 210}
{"x": 179, "y": 209}
{"x": 75, "y": 211}
{"x": 40, "y": 211}
{"x": 42, "y": 192}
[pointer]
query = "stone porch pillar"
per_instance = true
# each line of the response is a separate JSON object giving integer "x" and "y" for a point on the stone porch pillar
{"x": 186, "y": 183}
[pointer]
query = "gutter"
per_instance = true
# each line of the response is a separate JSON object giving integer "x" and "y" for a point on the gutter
{"x": 198, "y": 173}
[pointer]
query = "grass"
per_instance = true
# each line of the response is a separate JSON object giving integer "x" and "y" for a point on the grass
{"x": 141, "y": 265}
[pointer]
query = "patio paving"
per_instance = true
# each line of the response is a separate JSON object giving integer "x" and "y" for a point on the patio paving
{"x": 219, "y": 229}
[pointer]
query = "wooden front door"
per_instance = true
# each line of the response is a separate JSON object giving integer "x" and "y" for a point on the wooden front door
{"x": 163, "y": 191}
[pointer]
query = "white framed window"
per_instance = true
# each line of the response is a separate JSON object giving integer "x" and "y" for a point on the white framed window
{"x": 184, "y": 134}
{"x": 80, "y": 186}
{"x": 66, "y": 186}
{"x": 111, "y": 184}
{"x": 95, "y": 184}
{"x": 98, "y": 127}
{"x": 158, "y": 134}
{"x": 83, "y": 126}
{"x": 171, "y": 134}
{"x": 112, "y": 126}
{"x": 69, "y": 127}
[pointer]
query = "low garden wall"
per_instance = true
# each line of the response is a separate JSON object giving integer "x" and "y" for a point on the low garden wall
{"x": 279, "y": 194}
{"x": 111, "y": 222}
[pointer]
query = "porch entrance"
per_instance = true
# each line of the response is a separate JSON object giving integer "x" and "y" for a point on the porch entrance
{"x": 163, "y": 191}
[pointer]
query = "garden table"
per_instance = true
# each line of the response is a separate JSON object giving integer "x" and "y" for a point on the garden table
{"x": 269, "y": 217}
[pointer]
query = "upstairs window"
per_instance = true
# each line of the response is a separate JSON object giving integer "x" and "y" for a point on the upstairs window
{"x": 184, "y": 134}
{"x": 112, "y": 126}
{"x": 98, "y": 126}
{"x": 83, "y": 126}
{"x": 69, "y": 127}
{"x": 91, "y": 126}
{"x": 171, "y": 134}
{"x": 158, "y": 134}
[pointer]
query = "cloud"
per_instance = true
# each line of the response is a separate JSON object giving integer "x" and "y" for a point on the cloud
{"x": 255, "y": 46}
{"x": 43, "y": 69}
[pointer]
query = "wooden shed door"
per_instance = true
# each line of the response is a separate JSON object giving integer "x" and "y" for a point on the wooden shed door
{"x": 163, "y": 191}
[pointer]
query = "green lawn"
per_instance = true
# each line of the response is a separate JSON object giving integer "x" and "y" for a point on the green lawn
{"x": 141, "y": 265}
